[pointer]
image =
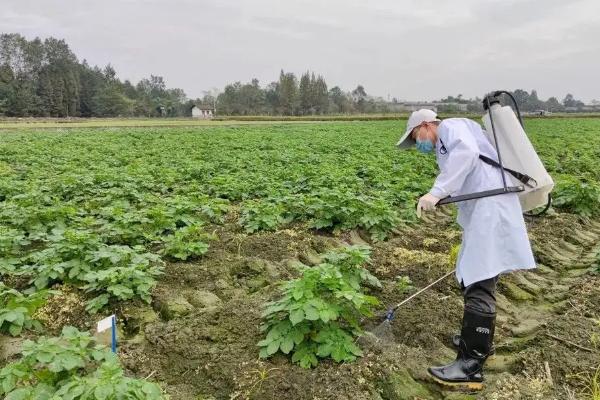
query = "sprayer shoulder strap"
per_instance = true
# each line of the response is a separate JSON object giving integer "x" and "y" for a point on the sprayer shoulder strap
{"x": 523, "y": 178}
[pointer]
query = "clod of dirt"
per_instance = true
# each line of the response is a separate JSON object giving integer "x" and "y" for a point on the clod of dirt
{"x": 526, "y": 284}
{"x": 526, "y": 327}
{"x": 9, "y": 347}
{"x": 310, "y": 258}
{"x": 500, "y": 363}
{"x": 514, "y": 292}
{"x": 171, "y": 305}
{"x": 400, "y": 385}
{"x": 357, "y": 239}
{"x": 137, "y": 317}
{"x": 459, "y": 396}
{"x": 202, "y": 298}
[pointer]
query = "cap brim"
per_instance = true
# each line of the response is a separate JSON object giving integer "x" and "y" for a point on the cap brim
{"x": 406, "y": 142}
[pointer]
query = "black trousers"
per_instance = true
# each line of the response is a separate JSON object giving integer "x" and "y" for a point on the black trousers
{"x": 480, "y": 296}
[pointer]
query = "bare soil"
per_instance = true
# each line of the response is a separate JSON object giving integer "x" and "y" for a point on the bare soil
{"x": 199, "y": 336}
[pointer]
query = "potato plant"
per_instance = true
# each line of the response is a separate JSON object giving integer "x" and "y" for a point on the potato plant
{"x": 68, "y": 196}
{"x": 71, "y": 367}
{"x": 17, "y": 309}
{"x": 318, "y": 313}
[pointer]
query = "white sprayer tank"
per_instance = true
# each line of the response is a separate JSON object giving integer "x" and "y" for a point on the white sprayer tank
{"x": 518, "y": 154}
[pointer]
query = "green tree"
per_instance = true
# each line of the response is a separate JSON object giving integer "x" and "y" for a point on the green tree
{"x": 288, "y": 93}
{"x": 359, "y": 96}
{"x": 521, "y": 97}
{"x": 229, "y": 101}
{"x": 570, "y": 101}
{"x": 305, "y": 94}
{"x": 553, "y": 105}
{"x": 110, "y": 102}
{"x": 272, "y": 97}
{"x": 339, "y": 100}
{"x": 533, "y": 102}
{"x": 252, "y": 98}
{"x": 321, "y": 95}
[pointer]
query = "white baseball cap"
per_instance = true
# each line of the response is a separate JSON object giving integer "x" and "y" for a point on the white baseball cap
{"x": 415, "y": 119}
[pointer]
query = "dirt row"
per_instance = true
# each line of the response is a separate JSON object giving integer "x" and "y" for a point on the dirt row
{"x": 198, "y": 338}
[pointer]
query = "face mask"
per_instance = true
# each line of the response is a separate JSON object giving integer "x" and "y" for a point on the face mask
{"x": 424, "y": 146}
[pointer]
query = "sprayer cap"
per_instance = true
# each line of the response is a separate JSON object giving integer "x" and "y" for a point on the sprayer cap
{"x": 490, "y": 100}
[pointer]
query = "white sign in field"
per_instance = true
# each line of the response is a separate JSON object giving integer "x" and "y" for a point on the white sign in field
{"x": 105, "y": 324}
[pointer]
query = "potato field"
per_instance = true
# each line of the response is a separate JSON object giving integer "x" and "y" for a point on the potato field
{"x": 247, "y": 262}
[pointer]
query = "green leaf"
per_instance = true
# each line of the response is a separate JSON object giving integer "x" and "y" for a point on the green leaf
{"x": 15, "y": 330}
{"x": 296, "y": 317}
{"x": 19, "y": 394}
{"x": 263, "y": 353}
{"x": 44, "y": 357}
{"x": 103, "y": 392}
{"x": 325, "y": 315}
{"x": 8, "y": 382}
{"x": 324, "y": 350}
{"x": 151, "y": 390}
{"x": 308, "y": 361}
{"x": 338, "y": 354}
{"x": 311, "y": 313}
{"x": 287, "y": 345}
{"x": 70, "y": 362}
{"x": 273, "y": 334}
{"x": 264, "y": 342}
{"x": 273, "y": 347}
{"x": 297, "y": 294}
{"x": 297, "y": 336}
{"x": 10, "y": 316}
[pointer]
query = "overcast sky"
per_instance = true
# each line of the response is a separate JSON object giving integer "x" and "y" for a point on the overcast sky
{"x": 409, "y": 49}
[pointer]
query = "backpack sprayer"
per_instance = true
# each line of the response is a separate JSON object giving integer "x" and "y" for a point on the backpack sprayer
{"x": 517, "y": 157}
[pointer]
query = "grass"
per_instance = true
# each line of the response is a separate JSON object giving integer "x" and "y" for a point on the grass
{"x": 594, "y": 386}
{"x": 35, "y": 123}
{"x": 27, "y": 123}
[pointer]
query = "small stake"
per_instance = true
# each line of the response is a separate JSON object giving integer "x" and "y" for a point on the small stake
{"x": 109, "y": 322}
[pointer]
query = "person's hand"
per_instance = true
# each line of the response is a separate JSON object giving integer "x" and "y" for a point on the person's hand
{"x": 426, "y": 203}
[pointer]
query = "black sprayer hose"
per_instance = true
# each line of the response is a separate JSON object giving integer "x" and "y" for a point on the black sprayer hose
{"x": 509, "y": 94}
{"x": 487, "y": 99}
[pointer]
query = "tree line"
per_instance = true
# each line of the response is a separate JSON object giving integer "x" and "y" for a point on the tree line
{"x": 289, "y": 95}
{"x": 43, "y": 78}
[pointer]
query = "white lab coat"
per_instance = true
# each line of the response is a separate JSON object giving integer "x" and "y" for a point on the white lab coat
{"x": 495, "y": 238}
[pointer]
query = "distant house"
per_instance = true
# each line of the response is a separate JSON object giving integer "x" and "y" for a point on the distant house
{"x": 538, "y": 112}
{"x": 437, "y": 106}
{"x": 414, "y": 106}
{"x": 203, "y": 111}
{"x": 451, "y": 107}
{"x": 410, "y": 106}
{"x": 590, "y": 108}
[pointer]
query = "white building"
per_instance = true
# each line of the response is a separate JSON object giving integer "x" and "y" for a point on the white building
{"x": 437, "y": 106}
{"x": 203, "y": 112}
{"x": 414, "y": 106}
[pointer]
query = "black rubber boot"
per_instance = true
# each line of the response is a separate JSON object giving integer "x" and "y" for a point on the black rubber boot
{"x": 456, "y": 340}
{"x": 473, "y": 349}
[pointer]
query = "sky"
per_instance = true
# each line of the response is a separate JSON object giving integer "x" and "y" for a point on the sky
{"x": 408, "y": 49}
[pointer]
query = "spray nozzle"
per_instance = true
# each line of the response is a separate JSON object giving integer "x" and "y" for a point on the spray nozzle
{"x": 389, "y": 316}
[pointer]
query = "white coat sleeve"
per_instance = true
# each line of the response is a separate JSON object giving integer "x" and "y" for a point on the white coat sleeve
{"x": 463, "y": 154}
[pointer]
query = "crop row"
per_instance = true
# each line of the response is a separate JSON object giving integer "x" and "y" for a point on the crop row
{"x": 104, "y": 209}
